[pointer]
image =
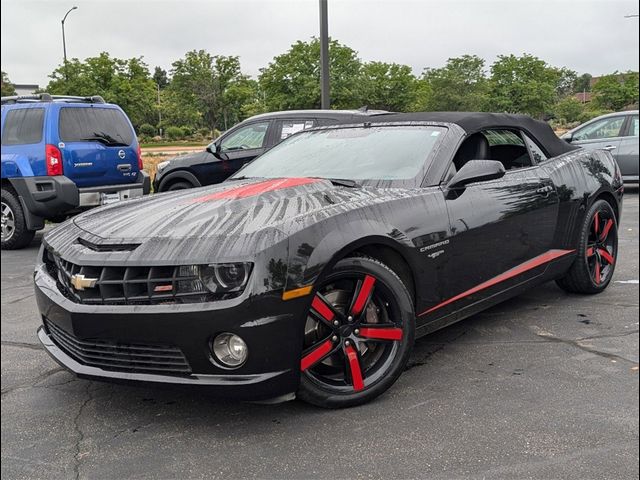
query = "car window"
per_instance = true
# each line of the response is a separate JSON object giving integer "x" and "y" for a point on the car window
{"x": 289, "y": 127}
{"x": 508, "y": 147}
{"x": 355, "y": 153}
{"x": 633, "y": 130}
{"x": 23, "y": 126}
{"x": 605, "y": 128}
{"x": 537, "y": 154}
{"x": 105, "y": 125}
{"x": 246, "y": 138}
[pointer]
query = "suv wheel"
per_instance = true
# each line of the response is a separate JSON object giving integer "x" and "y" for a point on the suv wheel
{"x": 14, "y": 228}
{"x": 179, "y": 186}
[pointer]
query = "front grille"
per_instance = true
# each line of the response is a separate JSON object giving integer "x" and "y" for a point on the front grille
{"x": 128, "y": 285}
{"x": 120, "y": 357}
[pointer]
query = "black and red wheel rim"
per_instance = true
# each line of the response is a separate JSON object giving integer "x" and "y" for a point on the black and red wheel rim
{"x": 602, "y": 247}
{"x": 353, "y": 333}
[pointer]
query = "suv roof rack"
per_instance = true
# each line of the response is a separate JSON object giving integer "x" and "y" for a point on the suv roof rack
{"x": 45, "y": 97}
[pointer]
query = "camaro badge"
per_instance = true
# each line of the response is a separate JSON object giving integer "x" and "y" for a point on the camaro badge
{"x": 80, "y": 282}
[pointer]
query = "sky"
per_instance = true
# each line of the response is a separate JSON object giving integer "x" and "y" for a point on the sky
{"x": 586, "y": 36}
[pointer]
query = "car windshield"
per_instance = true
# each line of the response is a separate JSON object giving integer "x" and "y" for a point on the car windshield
{"x": 353, "y": 153}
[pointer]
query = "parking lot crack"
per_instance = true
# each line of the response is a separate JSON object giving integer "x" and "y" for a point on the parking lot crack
{"x": 33, "y": 382}
{"x": 576, "y": 344}
{"x": 77, "y": 455}
{"x": 31, "y": 346}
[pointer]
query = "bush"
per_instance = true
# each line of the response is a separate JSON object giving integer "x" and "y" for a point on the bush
{"x": 568, "y": 110}
{"x": 204, "y": 132}
{"x": 589, "y": 114}
{"x": 174, "y": 133}
{"x": 147, "y": 130}
{"x": 186, "y": 131}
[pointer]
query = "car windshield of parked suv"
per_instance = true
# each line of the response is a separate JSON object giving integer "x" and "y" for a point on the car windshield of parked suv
{"x": 105, "y": 125}
{"x": 361, "y": 153}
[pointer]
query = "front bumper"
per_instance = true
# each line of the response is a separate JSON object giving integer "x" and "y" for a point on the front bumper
{"x": 271, "y": 328}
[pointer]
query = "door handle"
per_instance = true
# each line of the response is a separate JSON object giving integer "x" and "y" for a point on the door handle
{"x": 609, "y": 148}
{"x": 545, "y": 191}
{"x": 124, "y": 167}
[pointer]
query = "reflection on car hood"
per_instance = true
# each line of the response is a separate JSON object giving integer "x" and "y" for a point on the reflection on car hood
{"x": 233, "y": 219}
{"x": 192, "y": 159}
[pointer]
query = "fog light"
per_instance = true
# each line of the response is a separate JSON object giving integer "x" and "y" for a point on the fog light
{"x": 230, "y": 350}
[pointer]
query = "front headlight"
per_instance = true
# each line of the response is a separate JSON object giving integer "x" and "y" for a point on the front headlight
{"x": 162, "y": 165}
{"x": 224, "y": 278}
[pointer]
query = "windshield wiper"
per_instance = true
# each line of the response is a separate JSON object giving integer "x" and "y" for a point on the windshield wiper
{"x": 106, "y": 139}
{"x": 343, "y": 182}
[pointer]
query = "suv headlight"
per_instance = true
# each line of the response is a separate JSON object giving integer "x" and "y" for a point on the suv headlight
{"x": 162, "y": 165}
{"x": 223, "y": 278}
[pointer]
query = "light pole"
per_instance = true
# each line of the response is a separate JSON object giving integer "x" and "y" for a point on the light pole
{"x": 64, "y": 41}
{"x": 325, "y": 101}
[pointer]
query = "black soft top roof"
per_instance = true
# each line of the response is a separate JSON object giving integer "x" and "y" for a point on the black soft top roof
{"x": 472, "y": 122}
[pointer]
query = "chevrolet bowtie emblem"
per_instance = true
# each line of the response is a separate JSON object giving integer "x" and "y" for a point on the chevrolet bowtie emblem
{"x": 80, "y": 282}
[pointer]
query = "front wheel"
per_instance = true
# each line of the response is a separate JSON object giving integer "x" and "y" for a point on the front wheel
{"x": 597, "y": 252}
{"x": 358, "y": 335}
{"x": 14, "y": 227}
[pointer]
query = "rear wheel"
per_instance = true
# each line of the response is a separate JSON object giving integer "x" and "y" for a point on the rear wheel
{"x": 179, "y": 186}
{"x": 358, "y": 335}
{"x": 595, "y": 263}
{"x": 14, "y": 228}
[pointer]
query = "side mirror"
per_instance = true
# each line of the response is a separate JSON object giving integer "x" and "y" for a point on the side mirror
{"x": 477, "y": 171}
{"x": 214, "y": 149}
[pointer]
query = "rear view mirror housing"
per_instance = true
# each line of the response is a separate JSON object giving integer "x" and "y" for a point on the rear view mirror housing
{"x": 477, "y": 171}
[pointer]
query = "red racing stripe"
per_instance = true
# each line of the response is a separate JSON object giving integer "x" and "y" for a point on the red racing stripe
{"x": 254, "y": 189}
{"x": 514, "y": 272}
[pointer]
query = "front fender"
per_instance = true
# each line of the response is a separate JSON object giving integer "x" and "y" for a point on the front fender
{"x": 179, "y": 175}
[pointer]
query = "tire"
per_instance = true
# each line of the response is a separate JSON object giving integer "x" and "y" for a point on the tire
{"x": 358, "y": 335}
{"x": 14, "y": 228}
{"x": 178, "y": 186}
{"x": 597, "y": 252}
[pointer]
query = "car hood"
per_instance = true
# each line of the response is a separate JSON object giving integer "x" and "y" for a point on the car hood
{"x": 231, "y": 220}
{"x": 192, "y": 158}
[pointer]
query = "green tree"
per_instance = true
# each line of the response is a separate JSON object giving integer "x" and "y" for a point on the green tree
{"x": 292, "y": 80}
{"x": 523, "y": 84}
{"x": 568, "y": 110}
{"x": 565, "y": 83}
{"x": 460, "y": 85}
{"x": 387, "y": 86}
{"x": 126, "y": 83}
{"x": 616, "y": 91}
{"x": 211, "y": 85}
{"x": 582, "y": 83}
{"x": 160, "y": 77}
{"x": 7, "y": 87}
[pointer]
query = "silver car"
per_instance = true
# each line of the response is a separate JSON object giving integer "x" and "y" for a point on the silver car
{"x": 616, "y": 132}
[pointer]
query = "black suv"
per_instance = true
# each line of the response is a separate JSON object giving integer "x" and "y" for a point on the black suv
{"x": 242, "y": 143}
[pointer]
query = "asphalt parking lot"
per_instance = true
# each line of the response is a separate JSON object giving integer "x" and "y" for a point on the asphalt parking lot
{"x": 543, "y": 386}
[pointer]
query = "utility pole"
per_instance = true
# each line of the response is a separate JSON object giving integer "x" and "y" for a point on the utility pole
{"x": 325, "y": 101}
{"x": 64, "y": 43}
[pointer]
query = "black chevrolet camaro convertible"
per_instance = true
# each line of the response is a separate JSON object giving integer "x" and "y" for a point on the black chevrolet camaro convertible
{"x": 312, "y": 270}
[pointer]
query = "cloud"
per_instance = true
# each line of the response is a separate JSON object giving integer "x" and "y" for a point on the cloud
{"x": 586, "y": 36}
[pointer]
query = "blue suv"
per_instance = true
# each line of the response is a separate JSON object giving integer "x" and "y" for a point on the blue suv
{"x": 61, "y": 155}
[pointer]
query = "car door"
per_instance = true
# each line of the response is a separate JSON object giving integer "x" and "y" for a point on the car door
{"x": 500, "y": 224}
{"x": 628, "y": 149}
{"x": 604, "y": 133}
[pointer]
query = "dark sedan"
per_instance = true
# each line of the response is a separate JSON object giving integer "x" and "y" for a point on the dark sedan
{"x": 313, "y": 269}
{"x": 242, "y": 143}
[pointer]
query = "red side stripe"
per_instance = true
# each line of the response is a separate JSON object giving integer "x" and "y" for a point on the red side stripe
{"x": 363, "y": 294}
{"x": 354, "y": 367}
{"x": 514, "y": 272}
{"x": 316, "y": 355}
{"x": 254, "y": 189}
{"x": 382, "y": 333}
{"x": 323, "y": 310}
